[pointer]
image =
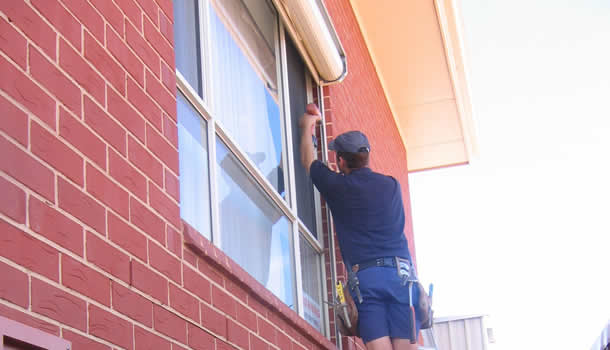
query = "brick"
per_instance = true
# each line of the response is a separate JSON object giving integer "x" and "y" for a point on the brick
{"x": 13, "y": 44}
{"x": 162, "y": 149}
{"x": 79, "y": 69}
{"x": 196, "y": 284}
{"x": 127, "y": 175}
{"x": 213, "y": 320}
{"x": 28, "y": 320}
{"x": 142, "y": 49}
{"x": 223, "y": 301}
{"x": 132, "y": 12}
{"x": 148, "y": 341}
{"x": 142, "y": 159}
{"x": 257, "y": 306}
{"x": 87, "y": 16}
{"x": 167, "y": 8}
{"x": 220, "y": 345}
{"x": 267, "y": 330}
{"x": 104, "y": 189}
{"x": 109, "y": 327}
{"x": 31, "y": 24}
{"x": 199, "y": 339}
{"x": 188, "y": 255}
{"x": 246, "y": 317}
{"x": 56, "y": 304}
{"x": 83, "y": 207}
{"x": 211, "y": 272}
{"x": 178, "y": 347}
{"x": 236, "y": 290}
{"x": 132, "y": 305}
{"x": 79, "y": 136}
{"x": 101, "y": 59}
{"x": 14, "y": 285}
{"x": 257, "y": 343}
{"x": 55, "y": 81}
{"x": 237, "y": 334}
{"x": 164, "y": 205}
{"x": 158, "y": 41}
{"x": 146, "y": 220}
{"x": 172, "y": 185}
{"x": 126, "y": 115}
{"x": 158, "y": 93}
{"x": 111, "y": 13}
{"x": 81, "y": 278}
{"x": 148, "y": 281}
{"x": 126, "y": 237}
{"x": 55, "y": 226}
{"x": 183, "y": 302}
{"x": 28, "y": 251}
{"x": 168, "y": 78}
{"x": 50, "y": 149}
{"x": 14, "y": 121}
{"x": 61, "y": 19}
{"x": 26, "y": 169}
{"x": 107, "y": 257}
{"x": 166, "y": 27}
{"x": 131, "y": 62}
{"x": 23, "y": 90}
{"x": 169, "y": 324}
{"x": 12, "y": 201}
{"x": 150, "y": 8}
{"x": 174, "y": 241}
{"x": 283, "y": 342}
{"x": 144, "y": 103}
{"x": 165, "y": 263}
{"x": 105, "y": 126}
{"x": 80, "y": 342}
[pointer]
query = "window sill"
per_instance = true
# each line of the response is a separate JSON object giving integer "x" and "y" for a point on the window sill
{"x": 207, "y": 251}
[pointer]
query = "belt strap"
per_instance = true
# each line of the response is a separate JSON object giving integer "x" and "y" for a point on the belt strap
{"x": 379, "y": 262}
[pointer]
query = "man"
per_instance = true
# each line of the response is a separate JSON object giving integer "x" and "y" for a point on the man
{"x": 369, "y": 220}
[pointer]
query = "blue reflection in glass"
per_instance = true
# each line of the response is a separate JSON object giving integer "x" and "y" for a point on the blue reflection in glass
{"x": 193, "y": 160}
{"x": 254, "y": 232}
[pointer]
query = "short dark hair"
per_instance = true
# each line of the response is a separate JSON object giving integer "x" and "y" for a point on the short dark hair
{"x": 354, "y": 160}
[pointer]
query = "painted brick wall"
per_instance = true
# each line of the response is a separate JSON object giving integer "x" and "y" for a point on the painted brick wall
{"x": 92, "y": 248}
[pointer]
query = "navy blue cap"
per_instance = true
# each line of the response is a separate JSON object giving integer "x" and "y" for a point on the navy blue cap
{"x": 351, "y": 141}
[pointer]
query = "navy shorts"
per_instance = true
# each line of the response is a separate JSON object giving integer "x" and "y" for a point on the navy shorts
{"x": 385, "y": 305}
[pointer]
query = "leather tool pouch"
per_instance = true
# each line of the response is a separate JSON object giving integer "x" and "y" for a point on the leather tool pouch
{"x": 352, "y": 313}
{"x": 423, "y": 308}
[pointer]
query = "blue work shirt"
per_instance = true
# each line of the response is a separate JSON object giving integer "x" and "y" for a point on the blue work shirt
{"x": 367, "y": 211}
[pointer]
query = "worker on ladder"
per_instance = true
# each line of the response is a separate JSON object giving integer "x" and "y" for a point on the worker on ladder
{"x": 369, "y": 219}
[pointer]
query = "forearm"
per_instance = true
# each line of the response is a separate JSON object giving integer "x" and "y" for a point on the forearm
{"x": 306, "y": 148}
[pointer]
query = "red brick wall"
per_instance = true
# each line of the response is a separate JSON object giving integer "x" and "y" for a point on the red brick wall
{"x": 92, "y": 248}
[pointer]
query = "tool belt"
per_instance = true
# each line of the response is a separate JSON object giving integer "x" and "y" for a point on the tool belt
{"x": 422, "y": 310}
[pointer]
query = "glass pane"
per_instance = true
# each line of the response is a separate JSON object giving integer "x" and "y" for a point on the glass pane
{"x": 298, "y": 101}
{"x": 187, "y": 41}
{"x": 254, "y": 232}
{"x": 312, "y": 278}
{"x": 244, "y": 82}
{"x": 193, "y": 158}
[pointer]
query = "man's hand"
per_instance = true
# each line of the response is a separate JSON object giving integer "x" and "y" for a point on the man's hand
{"x": 307, "y": 123}
{"x": 310, "y": 118}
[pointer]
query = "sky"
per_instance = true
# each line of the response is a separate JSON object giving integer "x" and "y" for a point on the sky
{"x": 522, "y": 234}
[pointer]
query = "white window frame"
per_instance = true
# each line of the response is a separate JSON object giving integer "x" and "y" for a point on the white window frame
{"x": 215, "y": 131}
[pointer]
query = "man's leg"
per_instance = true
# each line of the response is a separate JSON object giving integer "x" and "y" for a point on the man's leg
{"x": 403, "y": 344}
{"x": 382, "y": 343}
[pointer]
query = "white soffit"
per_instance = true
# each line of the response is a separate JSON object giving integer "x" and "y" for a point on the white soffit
{"x": 416, "y": 48}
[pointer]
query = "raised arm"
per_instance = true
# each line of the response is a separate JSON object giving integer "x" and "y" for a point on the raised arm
{"x": 307, "y": 124}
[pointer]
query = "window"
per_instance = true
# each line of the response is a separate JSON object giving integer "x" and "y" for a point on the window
{"x": 242, "y": 89}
